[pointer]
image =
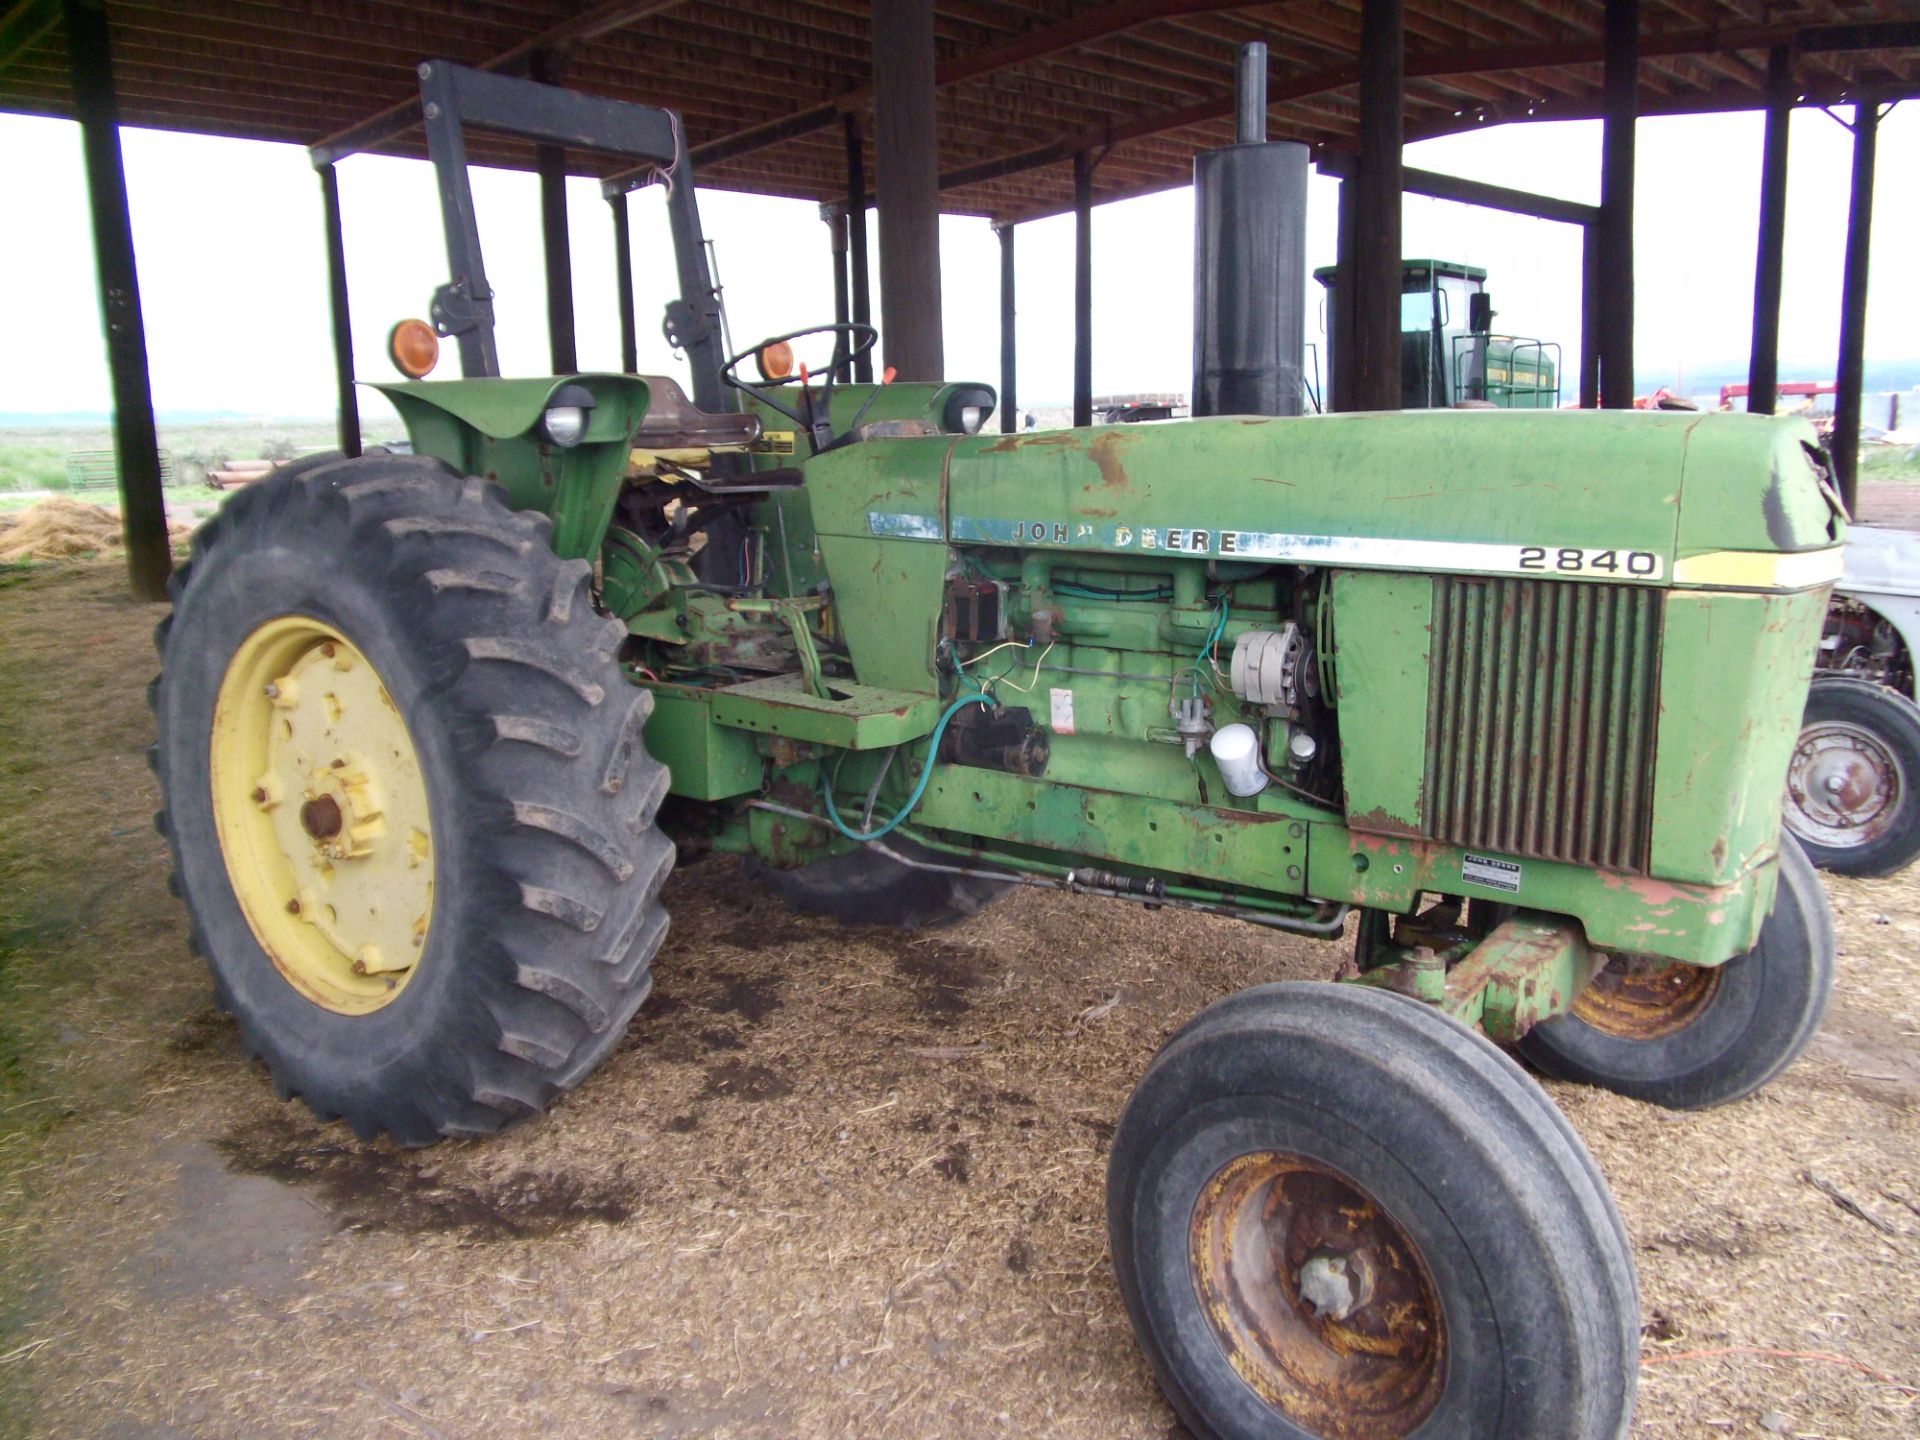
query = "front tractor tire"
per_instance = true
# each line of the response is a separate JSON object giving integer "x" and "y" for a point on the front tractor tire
{"x": 1853, "y": 788}
{"x": 1336, "y": 1214}
{"x": 409, "y": 807}
{"x": 1692, "y": 1037}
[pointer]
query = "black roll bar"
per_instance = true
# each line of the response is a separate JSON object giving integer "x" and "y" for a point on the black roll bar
{"x": 455, "y": 98}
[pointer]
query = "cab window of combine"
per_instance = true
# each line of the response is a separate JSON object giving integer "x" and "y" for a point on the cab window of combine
{"x": 1417, "y": 310}
{"x": 1454, "y": 291}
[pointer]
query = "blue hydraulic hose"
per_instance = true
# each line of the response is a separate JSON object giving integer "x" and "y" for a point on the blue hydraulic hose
{"x": 926, "y": 774}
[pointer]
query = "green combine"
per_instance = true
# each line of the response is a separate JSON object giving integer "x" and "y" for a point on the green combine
{"x": 1449, "y": 354}
{"x": 1500, "y": 701}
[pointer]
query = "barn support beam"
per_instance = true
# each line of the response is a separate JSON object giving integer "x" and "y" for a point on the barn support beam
{"x": 1374, "y": 379}
{"x": 550, "y": 161}
{"x": 907, "y": 188}
{"x": 1009, "y": 404}
{"x": 136, "y": 445}
{"x": 836, "y": 222}
{"x": 1083, "y": 288}
{"x": 623, "y": 282}
{"x": 348, "y": 413}
{"x": 1619, "y": 106}
{"x": 1340, "y": 359}
{"x": 1763, "y": 363}
{"x": 861, "y": 297}
{"x": 1471, "y": 192}
{"x": 1853, "y": 306}
{"x": 1590, "y": 316}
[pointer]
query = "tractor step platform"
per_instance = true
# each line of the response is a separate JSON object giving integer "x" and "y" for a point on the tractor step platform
{"x": 851, "y": 716}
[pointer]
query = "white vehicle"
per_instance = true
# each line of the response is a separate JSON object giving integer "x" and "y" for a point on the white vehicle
{"x": 1851, "y": 789}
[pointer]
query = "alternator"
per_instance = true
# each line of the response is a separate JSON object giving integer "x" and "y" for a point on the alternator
{"x": 1274, "y": 667}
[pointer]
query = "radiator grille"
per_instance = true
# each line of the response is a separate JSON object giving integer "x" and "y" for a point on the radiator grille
{"x": 1540, "y": 718}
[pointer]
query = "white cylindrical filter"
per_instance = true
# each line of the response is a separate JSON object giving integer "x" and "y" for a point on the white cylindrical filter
{"x": 1236, "y": 750}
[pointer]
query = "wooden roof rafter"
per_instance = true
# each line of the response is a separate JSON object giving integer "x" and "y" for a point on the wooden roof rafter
{"x": 764, "y": 85}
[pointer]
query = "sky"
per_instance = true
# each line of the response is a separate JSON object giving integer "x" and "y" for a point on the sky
{"x": 233, "y": 275}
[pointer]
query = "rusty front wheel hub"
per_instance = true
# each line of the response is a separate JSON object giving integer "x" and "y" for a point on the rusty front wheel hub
{"x": 1641, "y": 998}
{"x": 1317, "y": 1297}
{"x": 321, "y": 818}
{"x": 1844, "y": 786}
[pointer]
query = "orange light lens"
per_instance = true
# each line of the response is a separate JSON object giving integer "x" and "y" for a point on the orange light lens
{"x": 413, "y": 348}
{"x": 775, "y": 360}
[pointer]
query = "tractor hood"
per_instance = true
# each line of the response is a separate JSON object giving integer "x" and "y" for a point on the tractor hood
{"x": 1721, "y": 501}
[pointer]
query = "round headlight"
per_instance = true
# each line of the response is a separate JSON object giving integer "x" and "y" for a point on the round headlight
{"x": 966, "y": 409}
{"x": 564, "y": 421}
{"x": 565, "y": 424}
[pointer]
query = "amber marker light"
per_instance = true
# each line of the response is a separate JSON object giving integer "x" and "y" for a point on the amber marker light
{"x": 413, "y": 348}
{"x": 775, "y": 360}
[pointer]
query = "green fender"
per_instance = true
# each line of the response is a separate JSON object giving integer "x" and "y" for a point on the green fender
{"x": 490, "y": 427}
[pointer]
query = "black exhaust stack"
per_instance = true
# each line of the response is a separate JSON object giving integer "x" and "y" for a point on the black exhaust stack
{"x": 1249, "y": 261}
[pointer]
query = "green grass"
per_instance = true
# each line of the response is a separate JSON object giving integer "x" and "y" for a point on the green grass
{"x": 1890, "y": 462}
{"x": 34, "y": 458}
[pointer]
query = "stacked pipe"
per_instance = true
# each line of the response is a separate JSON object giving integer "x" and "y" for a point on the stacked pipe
{"x": 1249, "y": 261}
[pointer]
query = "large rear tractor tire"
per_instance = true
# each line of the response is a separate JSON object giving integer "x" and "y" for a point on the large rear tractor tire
{"x": 1334, "y": 1212}
{"x": 1689, "y": 1037}
{"x": 1853, "y": 788}
{"x": 410, "y": 811}
{"x": 865, "y": 888}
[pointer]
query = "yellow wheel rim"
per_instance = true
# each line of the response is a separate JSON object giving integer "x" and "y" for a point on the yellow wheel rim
{"x": 322, "y": 815}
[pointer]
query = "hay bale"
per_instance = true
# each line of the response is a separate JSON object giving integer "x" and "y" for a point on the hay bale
{"x": 61, "y": 529}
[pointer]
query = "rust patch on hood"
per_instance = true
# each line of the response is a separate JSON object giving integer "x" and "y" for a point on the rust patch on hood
{"x": 1007, "y": 444}
{"x": 1105, "y": 452}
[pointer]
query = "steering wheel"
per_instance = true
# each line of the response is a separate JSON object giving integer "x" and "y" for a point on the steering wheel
{"x": 850, "y": 342}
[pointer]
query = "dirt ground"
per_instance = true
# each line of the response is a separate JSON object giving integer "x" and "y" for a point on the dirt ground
{"x": 836, "y": 1182}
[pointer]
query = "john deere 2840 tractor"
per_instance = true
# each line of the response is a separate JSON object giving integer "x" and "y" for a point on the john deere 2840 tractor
{"x": 1508, "y": 695}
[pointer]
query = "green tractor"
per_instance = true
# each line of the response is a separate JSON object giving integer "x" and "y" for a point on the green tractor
{"x": 1453, "y": 687}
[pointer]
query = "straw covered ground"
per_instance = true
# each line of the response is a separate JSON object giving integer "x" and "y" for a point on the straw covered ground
{"x": 835, "y": 1182}
{"x": 61, "y": 529}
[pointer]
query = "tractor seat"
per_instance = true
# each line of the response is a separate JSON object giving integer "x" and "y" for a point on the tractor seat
{"x": 673, "y": 423}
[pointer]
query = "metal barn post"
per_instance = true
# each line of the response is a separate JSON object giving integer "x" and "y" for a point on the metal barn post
{"x": 1340, "y": 358}
{"x": 348, "y": 416}
{"x": 836, "y": 222}
{"x": 623, "y": 282}
{"x": 1590, "y": 315}
{"x": 143, "y": 509}
{"x": 1763, "y": 364}
{"x": 907, "y": 188}
{"x": 1009, "y": 406}
{"x": 1853, "y": 305}
{"x": 1374, "y": 375}
{"x": 1619, "y": 105}
{"x": 857, "y": 240}
{"x": 1082, "y": 288}
{"x": 551, "y": 162}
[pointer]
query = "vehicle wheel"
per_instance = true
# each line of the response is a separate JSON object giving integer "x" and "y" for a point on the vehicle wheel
{"x": 1691, "y": 1037}
{"x": 862, "y": 887}
{"x": 410, "y": 811}
{"x": 1851, "y": 789}
{"x": 1334, "y": 1212}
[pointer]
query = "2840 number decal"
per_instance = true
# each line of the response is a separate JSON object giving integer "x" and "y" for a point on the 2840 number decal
{"x": 1573, "y": 560}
